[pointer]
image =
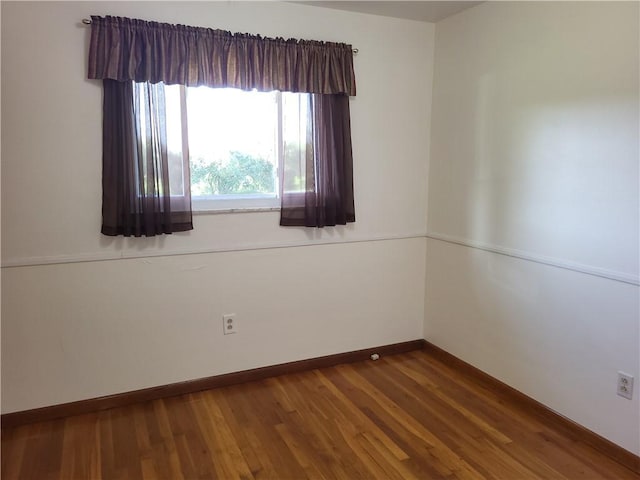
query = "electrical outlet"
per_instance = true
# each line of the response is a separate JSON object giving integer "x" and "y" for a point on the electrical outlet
{"x": 625, "y": 385}
{"x": 229, "y": 323}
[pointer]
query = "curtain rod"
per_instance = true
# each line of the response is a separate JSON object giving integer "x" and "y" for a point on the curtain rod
{"x": 87, "y": 21}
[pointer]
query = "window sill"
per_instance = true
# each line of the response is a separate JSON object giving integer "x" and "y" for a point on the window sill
{"x": 225, "y": 211}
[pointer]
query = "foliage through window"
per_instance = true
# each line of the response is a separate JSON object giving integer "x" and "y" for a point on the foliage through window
{"x": 238, "y": 144}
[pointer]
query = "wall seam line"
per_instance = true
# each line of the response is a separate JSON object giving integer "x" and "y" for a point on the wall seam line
{"x": 531, "y": 257}
{"x": 121, "y": 255}
{"x": 540, "y": 259}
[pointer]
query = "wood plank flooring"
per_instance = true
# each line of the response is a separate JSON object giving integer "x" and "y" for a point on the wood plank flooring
{"x": 403, "y": 417}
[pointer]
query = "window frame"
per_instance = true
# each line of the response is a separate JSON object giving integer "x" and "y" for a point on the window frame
{"x": 230, "y": 203}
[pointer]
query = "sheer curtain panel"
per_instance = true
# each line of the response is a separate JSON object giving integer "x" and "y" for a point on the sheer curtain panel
{"x": 138, "y": 198}
{"x": 328, "y": 173}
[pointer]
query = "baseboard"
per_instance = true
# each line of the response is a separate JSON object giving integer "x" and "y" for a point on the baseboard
{"x": 121, "y": 399}
{"x": 568, "y": 427}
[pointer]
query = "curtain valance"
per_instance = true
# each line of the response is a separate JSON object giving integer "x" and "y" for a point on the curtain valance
{"x": 126, "y": 49}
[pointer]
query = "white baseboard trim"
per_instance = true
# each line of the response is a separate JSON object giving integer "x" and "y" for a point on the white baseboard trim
{"x": 531, "y": 257}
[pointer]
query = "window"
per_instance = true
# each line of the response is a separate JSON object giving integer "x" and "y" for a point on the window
{"x": 238, "y": 144}
{"x": 144, "y": 194}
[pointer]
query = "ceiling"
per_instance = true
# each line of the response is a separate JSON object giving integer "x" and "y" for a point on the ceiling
{"x": 424, "y": 11}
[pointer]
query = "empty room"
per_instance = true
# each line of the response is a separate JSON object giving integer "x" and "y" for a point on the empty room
{"x": 289, "y": 240}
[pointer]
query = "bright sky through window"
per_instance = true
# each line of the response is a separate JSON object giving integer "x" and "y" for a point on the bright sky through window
{"x": 222, "y": 120}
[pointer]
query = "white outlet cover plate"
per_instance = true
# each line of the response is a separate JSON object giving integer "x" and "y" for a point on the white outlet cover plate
{"x": 625, "y": 385}
{"x": 229, "y": 324}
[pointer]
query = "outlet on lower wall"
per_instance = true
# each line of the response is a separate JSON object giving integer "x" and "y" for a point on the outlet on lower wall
{"x": 625, "y": 385}
{"x": 229, "y": 323}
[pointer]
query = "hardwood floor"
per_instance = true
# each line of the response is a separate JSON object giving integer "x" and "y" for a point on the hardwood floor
{"x": 404, "y": 416}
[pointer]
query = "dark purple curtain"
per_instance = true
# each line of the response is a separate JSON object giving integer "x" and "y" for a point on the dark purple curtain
{"x": 328, "y": 196}
{"x": 136, "y": 192}
{"x": 132, "y": 56}
{"x": 129, "y": 49}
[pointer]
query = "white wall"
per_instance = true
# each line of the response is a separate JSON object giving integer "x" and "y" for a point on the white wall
{"x": 535, "y": 153}
{"x": 83, "y": 330}
{"x": 72, "y": 331}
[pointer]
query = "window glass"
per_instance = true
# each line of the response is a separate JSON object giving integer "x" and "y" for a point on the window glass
{"x": 232, "y": 141}
{"x": 296, "y": 139}
{"x": 238, "y": 143}
{"x": 176, "y": 139}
